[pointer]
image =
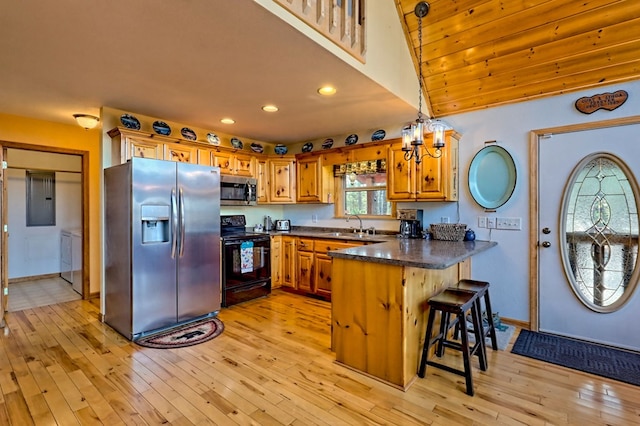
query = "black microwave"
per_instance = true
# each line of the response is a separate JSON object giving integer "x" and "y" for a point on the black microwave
{"x": 238, "y": 191}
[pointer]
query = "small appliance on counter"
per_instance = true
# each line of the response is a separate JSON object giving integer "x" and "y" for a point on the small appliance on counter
{"x": 283, "y": 225}
{"x": 410, "y": 223}
{"x": 268, "y": 224}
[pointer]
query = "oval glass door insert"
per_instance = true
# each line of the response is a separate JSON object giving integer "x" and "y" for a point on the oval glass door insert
{"x": 600, "y": 228}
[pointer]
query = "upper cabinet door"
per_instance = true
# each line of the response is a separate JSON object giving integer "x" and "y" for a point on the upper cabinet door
{"x": 244, "y": 164}
{"x": 400, "y": 172}
{"x": 180, "y": 153}
{"x": 282, "y": 180}
{"x": 223, "y": 160}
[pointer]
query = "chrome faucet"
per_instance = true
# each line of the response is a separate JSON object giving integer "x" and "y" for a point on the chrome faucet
{"x": 349, "y": 215}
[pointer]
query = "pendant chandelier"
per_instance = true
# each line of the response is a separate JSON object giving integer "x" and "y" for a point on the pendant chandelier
{"x": 413, "y": 134}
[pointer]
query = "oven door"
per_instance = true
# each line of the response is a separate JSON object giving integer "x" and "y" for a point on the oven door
{"x": 246, "y": 261}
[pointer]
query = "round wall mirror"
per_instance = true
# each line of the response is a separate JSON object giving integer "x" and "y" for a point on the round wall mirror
{"x": 492, "y": 177}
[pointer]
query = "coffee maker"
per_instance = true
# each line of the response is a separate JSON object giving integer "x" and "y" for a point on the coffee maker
{"x": 410, "y": 223}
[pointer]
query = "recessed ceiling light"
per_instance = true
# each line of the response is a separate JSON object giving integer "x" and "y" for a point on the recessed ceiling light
{"x": 327, "y": 90}
{"x": 270, "y": 108}
{"x": 228, "y": 121}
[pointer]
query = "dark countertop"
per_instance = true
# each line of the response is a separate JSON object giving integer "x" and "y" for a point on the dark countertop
{"x": 428, "y": 254}
{"x": 336, "y": 234}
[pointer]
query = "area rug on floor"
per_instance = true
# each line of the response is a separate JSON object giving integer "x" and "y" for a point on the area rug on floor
{"x": 588, "y": 357}
{"x": 184, "y": 335}
{"x": 503, "y": 337}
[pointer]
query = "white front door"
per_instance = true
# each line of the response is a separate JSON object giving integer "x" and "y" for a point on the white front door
{"x": 560, "y": 310}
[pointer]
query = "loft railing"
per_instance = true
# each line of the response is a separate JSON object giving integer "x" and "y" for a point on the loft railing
{"x": 341, "y": 21}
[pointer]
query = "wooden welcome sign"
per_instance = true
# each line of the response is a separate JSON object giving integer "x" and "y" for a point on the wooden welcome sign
{"x": 608, "y": 101}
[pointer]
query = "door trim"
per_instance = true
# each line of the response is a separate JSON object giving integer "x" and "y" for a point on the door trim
{"x": 534, "y": 147}
{"x": 85, "y": 204}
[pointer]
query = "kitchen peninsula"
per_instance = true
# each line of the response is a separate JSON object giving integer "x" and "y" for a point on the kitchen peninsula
{"x": 379, "y": 301}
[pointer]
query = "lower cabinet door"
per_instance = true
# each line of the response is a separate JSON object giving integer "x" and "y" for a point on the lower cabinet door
{"x": 323, "y": 275}
{"x": 305, "y": 271}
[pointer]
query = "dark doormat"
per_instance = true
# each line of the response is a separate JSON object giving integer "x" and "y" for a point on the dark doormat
{"x": 184, "y": 335}
{"x": 588, "y": 357}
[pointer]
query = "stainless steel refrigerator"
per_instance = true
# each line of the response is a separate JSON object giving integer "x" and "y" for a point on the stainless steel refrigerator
{"x": 162, "y": 239}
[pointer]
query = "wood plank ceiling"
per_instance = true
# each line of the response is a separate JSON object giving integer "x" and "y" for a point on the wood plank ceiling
{"x": 483, "y": 53}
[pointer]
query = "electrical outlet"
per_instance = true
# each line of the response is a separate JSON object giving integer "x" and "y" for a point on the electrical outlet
{"x": 314, "y": 218}
{"x": 444, "y": 219}
{"x": 509, "y": 223}
{"x": 482, "y": 221}
{"x": 491, "y": 222}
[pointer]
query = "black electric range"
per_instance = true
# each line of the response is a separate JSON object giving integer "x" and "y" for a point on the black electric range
{"x": 246, "y": 261}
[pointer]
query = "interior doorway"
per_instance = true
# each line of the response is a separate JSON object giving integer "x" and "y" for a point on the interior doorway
{"x": 567, "y": 295}
{"x": 81, "y": 224}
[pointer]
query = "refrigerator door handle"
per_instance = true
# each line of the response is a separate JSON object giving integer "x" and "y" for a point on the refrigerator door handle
{"x": 174, "y": 223}
{"x": 181, "y": 203}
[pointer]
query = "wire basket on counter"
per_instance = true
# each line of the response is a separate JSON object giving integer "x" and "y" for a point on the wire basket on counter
{"x": 448, "y": 231}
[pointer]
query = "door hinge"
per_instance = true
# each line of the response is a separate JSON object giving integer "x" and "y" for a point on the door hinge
{"x": 5, "y": 291}
{"x": 5, "y": 228}
{"x": 4, "y": 165}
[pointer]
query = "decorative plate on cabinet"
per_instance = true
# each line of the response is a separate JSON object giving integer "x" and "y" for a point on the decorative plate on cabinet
{"x": 351, "y": 139}
{"x": 161, "y": 128}
{"x": 378, "y": 135}
{"x": 328, "y": 143}
{"x": 236, "y": 143}
{"x": 130, "y": 122}
{"x": 307, "y": 147}
{"x": 280, "y": 149}
{"x": 256, "y": 147}
{"x": 213, "y": 139}
{"x": 188, "y": 134}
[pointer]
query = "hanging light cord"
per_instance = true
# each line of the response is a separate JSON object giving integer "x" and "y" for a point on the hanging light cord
{"x": 420, "y": 66}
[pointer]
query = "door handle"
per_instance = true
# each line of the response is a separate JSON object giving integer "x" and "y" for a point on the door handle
{"x": 174, "y": 223}
{"x": 546, "y": 230}
{"x": 181, "y": 203}
{"x": 546, "y": 244}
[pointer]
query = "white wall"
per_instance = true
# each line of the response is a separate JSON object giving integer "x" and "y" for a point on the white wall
{"x": 35, "y": 250}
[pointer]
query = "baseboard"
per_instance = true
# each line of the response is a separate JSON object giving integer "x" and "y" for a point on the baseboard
{"x": 33, "y": 278}
{"x": 517, "y": 323}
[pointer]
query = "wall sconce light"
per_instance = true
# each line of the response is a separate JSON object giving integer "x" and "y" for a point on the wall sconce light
{"x": 87, "y": 121}
{"x": 413, "y": 134}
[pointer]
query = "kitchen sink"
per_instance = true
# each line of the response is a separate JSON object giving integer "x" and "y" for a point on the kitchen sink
{"x": 348, "y": 234}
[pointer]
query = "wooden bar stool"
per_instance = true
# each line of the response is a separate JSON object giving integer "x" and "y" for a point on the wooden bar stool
{"x": 454, "y": 302}
{"x": 482, "y": 289}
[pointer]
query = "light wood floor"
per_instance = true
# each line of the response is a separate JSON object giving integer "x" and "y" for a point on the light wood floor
{"x": 272, "y": 365}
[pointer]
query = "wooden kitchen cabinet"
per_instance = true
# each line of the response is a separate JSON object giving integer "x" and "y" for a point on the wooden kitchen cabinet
{"x": 304, "y": 265}
{"x": 323, "y": 264}
{"x": 234, "y": 163}
{"x": 304, "y": 271}
{"x": 180, "y": 153}
{"x": 245, "y": 164}
{"x": 204, "y": 157}
{"x": 276, "y": 179}
{"x": 289, "y": 262}
{"x": 262, "y": 175}
{"x": 323, "y": 270}
{"x": 276, "y": 261}
{"x": 125, "y": 145}
{"x": 434, "y": 179}
{"x": 314, "y": 180}
{"x": 282, "y": 180}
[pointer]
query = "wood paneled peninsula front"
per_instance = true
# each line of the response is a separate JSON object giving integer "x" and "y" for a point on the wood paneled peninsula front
{"x": 379, "y": 301}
